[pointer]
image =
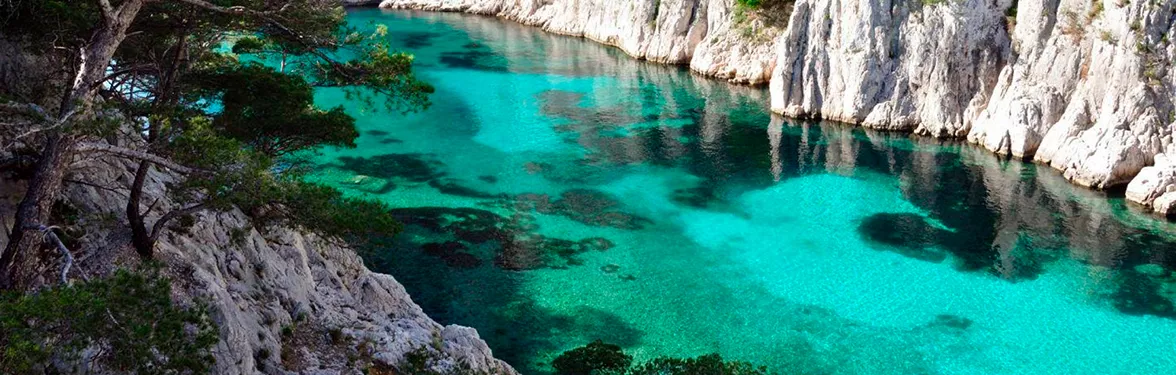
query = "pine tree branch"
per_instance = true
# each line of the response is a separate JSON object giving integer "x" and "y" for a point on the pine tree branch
{"x": 137, "y": 155}
{"x": 157, "y": 228}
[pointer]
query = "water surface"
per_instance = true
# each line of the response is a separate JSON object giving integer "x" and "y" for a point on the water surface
{"x": 558, "y": 192}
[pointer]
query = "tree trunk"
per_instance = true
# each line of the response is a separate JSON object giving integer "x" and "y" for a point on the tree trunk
{"x": 19, "y": 263}
{"x": 140, "y": 237}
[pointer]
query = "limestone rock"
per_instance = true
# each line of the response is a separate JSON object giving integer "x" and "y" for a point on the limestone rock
{"x": 701, "y": 33}
{"x": 1155, "y": 186}
{"x": 258, "y": 282}
{"x": 895, "y": 65}
{"x": 1085, "y": 87}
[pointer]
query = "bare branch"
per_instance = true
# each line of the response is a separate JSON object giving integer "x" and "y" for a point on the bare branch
{"x": 157, "y": 229}
{"x": 38, "y": 113}
{"x": 220, "y": 9}
{"x": 50, "y": 236}
{"x": 137, "y": 155}
{"x": 96, "y": 186}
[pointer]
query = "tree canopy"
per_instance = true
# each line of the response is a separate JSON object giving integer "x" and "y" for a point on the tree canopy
{"x": 220, "y": 92}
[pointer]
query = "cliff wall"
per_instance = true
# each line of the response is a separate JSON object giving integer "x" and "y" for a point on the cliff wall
{"x": 1084, "y": 86}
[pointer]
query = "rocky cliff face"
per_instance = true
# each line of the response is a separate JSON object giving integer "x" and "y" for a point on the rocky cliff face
{"x": 284, "y": 301}
{"x": 701, "y": 33}
{"x": 1085, "y": 86}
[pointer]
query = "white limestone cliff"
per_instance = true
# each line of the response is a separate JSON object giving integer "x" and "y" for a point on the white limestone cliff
{"x": 701, "y": 33}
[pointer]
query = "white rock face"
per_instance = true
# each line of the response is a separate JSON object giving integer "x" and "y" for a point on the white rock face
{"x": 259, "y": 281}
{"x": 701, "y": 33}
{"x": 1089, "y": 90}
{"x": 1085, "y": 87}
{"x": 897, "y": 65}
{"x": 1155, "y": 186}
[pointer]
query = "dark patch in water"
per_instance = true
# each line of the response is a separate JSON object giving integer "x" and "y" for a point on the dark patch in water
{"x": 1138, "y": 294}
{"x": 596, "y": 244}
{"x": 583, "y": 205}
{"x": 518, "y": 248}
{"x": 698, "y": 197}
{"x": 454, "y": 254}
{"x": 951, "y": 321}
{"x": 412, "y": 167}
{"x": 488, "y": 179}
{"x": 378, "y": 133}
{"x": 907, "y": 234}
{"x": 389, "y": 141}
{"x": 913, "y": 236}
{"x": 416, "y": 39}
{"x": 475, "y": 59}
{"x": 452, "y": 187}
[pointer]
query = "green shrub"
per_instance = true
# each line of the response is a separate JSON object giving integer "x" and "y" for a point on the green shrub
{"x": 325, "y": 210}
{"x": 752, "y": 4}
{"x": 594, "y": 357}
{"x": 710, "y": 364}
{"x": 128, "y": 317}
{"x": 599, "y": 358}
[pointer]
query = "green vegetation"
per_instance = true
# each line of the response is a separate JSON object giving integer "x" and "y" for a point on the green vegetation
{"x": 422, "y": 361}
{"x": 219, "y": 93}
{"x": 596, "y": 356}
{"x": 599, "y": 358}
{"x": 710, "y": 364}
{"x": 751, "y": 4}
{"x": 127, "y": 322}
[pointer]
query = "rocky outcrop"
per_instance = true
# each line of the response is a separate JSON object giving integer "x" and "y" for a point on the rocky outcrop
{"x": 701, "y": 33}
{"x": 896, "y": 65}
{"x": 284, "y": 301}
{"x": 1089, "y": 90}
{"x": 1082, "y": 86}
{"x": 1155, "y": 187}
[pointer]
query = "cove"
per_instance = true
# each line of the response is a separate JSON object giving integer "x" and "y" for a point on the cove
{"x": 559, "y": 192}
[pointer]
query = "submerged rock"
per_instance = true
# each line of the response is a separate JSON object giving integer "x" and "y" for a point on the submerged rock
{"x": 518, "y": 247}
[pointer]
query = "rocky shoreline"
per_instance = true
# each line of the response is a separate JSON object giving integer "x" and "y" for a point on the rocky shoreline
{"x": 1084, "y": 87}
{"x": 284, "y": 301}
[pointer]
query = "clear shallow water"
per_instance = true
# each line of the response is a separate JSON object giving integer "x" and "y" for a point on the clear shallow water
{"x": 559, "y": 192}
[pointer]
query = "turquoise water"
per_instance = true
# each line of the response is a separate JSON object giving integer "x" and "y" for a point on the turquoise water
{"x": 559, "y": 192}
